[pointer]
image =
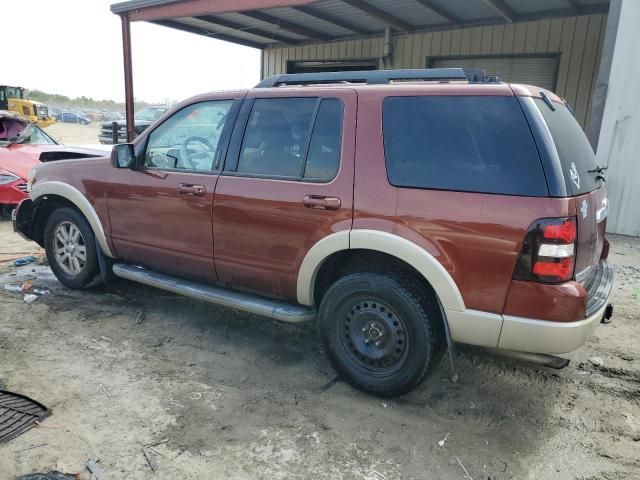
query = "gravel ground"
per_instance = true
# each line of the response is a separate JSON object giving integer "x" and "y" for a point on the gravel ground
{"x": 231, "y": 395}
{"x": 75, "y": 134}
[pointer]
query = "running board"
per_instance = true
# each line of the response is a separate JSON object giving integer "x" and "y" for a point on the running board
{"x": 244, "y": 302}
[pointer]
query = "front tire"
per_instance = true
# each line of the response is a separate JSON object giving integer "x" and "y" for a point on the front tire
{"x": 71, "y": 248}
{"x": 380, "y": 331}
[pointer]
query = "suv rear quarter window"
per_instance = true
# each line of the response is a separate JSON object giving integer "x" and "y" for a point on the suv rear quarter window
{"x": 575, "y": 152}
{"x": 463, "y": 143}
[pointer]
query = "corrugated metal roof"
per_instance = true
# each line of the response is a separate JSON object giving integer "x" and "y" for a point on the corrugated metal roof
{"x": 414, "y": 13}
{"x": 261, "y": 23}
{"x": 305, "y": 20}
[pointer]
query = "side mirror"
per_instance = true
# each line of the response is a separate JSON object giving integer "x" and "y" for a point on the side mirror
{"x": 123, "y": 155}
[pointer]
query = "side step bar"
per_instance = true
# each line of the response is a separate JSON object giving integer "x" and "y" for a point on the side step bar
{"x": 244, "y": 302}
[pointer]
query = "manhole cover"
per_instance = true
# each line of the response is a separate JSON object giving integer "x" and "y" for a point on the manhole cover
{"x": 18, "y": 414}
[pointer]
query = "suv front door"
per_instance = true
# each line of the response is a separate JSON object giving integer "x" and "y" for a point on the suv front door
{"x": 160, "y": 212}
{"x": 287, "y": 183}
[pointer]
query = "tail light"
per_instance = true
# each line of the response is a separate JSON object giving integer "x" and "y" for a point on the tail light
{"x": 548, "y": 251}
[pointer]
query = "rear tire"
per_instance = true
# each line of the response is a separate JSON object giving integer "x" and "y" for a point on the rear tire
{"x": 71, "y": 248}
{"x": 380, "y": 331}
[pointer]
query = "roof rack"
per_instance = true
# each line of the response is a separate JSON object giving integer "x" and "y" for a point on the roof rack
{"x": 373, "y": 77}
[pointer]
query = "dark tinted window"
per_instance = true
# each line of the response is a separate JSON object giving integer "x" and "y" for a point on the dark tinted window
{"x": 473, "y": 144}
{"x": 576, "y": 154}
{"x": 276, "y": 136}
{"x": 296, "y": 138}
{"x": 323, "y": 158}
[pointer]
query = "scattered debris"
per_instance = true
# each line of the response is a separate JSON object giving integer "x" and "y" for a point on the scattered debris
{"x": 140, "y": 316}
{"x": 27, "y": 285}
{"x": 20, "y": 262}
{"x": 384, "y": 404}
{"x": 162, "y": 342}
{"x": 329, "y": 384}
{"x": 29, "y": 448}
{"x": 195, "y": 395}
{"x": 442, "y": 442}
{"x": 151, "y": 459}
{"x": 10, "y": 287}
{"x": 104, "y": 390}
{"x": 29, "y": 298}
{"x": 53, "y": 475}
{"x": 596, "y": 361}
{"x": 18, "y": 414}
{"x": 465, "y": 470}
{"x": 97, "y": 473}
{"x": 42, "y": 291}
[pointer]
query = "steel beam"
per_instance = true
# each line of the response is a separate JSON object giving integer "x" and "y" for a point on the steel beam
{"x": 128, "y": 76}
{"x": 502, "y": 9}
{"x": 207, "y": 33}
{"x": 285, "y": 25}
{"x": 380, "y": 15}
{"x": 320, "y": 15}
{"x": 244, "y": 28}
{"x": 439, "y": 10}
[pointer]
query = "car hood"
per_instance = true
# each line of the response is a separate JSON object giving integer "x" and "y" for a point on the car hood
{"x": 20, "y": 158}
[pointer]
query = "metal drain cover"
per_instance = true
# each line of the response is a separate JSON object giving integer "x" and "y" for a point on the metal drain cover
{"x": 18, "y": 414}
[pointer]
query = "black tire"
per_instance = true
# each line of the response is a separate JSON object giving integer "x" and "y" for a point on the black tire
{"x": 380, "y": 331}
{"x": 90, "y": 268}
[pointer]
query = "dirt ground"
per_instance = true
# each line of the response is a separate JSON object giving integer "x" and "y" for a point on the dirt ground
{"x": 75, "y": 134}
{"x": 235, "y": 396}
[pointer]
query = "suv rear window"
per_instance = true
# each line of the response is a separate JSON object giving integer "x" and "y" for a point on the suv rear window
{"x": 574, "y": 150}
{"x": 464, "y": 143}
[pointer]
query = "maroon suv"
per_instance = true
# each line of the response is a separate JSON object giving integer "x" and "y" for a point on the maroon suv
{"x": 397, "y": 208}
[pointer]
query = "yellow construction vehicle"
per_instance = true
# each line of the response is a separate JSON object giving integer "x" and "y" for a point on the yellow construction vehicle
{"x": 12, "y": 99}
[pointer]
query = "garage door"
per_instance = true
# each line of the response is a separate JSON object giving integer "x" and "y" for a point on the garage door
{"x": 540, "y": 71}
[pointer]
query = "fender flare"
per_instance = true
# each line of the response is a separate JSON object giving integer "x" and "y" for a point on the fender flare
{"x": 399, "y": 247}
{"x": 74, "y": 195}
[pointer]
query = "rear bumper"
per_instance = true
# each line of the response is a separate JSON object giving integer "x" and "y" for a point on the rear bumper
{"x": 541, "y": 336}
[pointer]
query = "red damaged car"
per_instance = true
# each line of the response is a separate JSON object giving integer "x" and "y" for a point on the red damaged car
{"x": 24, "y": 145}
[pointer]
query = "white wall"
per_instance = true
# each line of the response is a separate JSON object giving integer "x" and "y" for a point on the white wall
{"x": 619, "y": 144}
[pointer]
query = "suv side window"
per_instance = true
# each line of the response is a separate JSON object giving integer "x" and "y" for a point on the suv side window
{"x": 292, "y": 138}
{"x": 323, "y": 158}
{"x": 189, "y": 139}
{"x": 463, "y": 143}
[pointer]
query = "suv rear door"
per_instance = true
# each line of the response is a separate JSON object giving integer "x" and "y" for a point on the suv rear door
{"x": 583, "y": 183}
{"x": 286, "y": 184}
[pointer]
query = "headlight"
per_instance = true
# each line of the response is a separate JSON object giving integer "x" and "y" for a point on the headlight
{"x": 31, "y": 178}
{"x": 7, "y": 177}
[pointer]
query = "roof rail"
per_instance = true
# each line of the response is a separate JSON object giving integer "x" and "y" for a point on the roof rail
{"x": 370, "y": 77}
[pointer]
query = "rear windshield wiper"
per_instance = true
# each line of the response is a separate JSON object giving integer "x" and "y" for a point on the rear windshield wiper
{"x": 547, "y": 100}
{"x": 599, "y": 170}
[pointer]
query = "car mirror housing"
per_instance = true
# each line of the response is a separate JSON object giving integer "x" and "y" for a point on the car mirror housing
{"x": 123, "y": 156}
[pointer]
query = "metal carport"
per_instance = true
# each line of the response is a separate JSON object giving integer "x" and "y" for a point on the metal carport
{"x": 264, "y": 24}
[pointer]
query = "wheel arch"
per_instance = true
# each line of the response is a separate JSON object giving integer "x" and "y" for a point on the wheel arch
{"x": 411, "y": 254}
{"x": 72, "y": 195}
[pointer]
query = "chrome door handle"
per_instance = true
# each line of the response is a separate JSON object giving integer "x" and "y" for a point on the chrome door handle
{"x": 321, "y": 202}
{"x": 194, "y": 190}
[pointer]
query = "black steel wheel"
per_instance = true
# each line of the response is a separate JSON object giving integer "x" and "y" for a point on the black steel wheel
{"x": 380, "y": 331}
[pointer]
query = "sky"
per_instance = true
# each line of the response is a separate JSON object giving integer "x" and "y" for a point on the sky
{"x": 76, "y": 50}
